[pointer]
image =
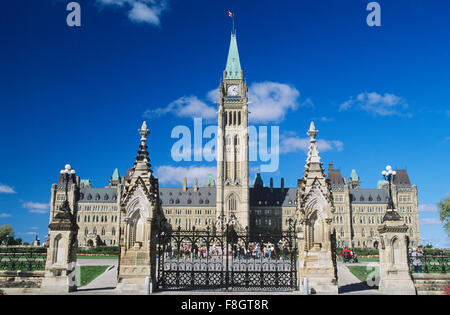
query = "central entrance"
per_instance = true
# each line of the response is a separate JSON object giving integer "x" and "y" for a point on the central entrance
{"x": 227, "y": 260}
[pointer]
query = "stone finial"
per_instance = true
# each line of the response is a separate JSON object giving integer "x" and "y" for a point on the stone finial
{"x": 313, "y": 153}
{"x": 184, "y": 184}
{"x": 144, "y": 132}
{"x": 195, "y": 184}
{"x": 312, "y": 132}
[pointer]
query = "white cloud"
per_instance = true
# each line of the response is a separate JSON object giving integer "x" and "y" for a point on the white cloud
{"x": 36, "y": 207}
{"x": 175, "y": 175}
{"x": 428, "y": 208}
{"x": 270, "y": 101}
{"x": 290, "y": 144}
{"x": 430, "y": 222}
{"x": 184, "y": 107}
{"x": 5, "y": 189}
{"x": 4, "y": 215}
{"x": 140, "y": 11}
{"x": 377, "y": 104}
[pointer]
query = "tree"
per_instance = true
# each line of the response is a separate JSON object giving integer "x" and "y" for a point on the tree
{"x": 6, "y": 233}
{"x": 444, "y": 207}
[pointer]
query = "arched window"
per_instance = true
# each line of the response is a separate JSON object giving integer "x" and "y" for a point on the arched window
{"x": 95, "y": 231}
{"x": 113, "y": 232}
{"x": 363, "y": 233}
{"x": 103, "y": 231}
{"x": 232, "y": 203}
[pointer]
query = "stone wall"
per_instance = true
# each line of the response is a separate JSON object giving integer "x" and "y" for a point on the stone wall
{"x": 431, "y": 283}
{"x": 21, "y": 279}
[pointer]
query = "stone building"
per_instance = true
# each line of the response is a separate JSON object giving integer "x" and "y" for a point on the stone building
{"x": 357, "y": 211}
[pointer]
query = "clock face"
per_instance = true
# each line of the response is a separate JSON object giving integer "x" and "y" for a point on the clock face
{"x": 233, "y": 90}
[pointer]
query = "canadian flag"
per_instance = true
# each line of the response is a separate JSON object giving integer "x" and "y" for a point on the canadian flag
{"x": 230, "y": 14}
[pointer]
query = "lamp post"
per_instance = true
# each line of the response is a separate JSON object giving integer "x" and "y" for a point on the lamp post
{"x": 389, "y": 175}
{"x": 67, "y": 171}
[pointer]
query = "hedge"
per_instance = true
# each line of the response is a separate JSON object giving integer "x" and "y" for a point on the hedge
{"x": 100, "y": 250}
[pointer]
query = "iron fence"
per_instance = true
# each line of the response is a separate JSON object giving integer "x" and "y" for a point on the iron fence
{"x": 439, "y": 263}
{"x": 226, "y": 260}
{"x": 22, "y": 258}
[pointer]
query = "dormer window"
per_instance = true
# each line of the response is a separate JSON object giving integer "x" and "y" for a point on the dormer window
{"x": 97, "y": 197}
{"x": 106, "y": 197}
{"x": 89, "y": 197}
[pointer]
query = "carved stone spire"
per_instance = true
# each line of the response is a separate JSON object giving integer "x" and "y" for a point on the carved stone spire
{"x": 313, "y": 153}
{"x": 142, "y": 167}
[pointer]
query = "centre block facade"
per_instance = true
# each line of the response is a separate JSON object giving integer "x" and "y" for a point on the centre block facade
{"x": 230, "y": 195}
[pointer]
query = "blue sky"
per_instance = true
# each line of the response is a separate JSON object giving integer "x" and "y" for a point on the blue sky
{"x": 378, "y": 95}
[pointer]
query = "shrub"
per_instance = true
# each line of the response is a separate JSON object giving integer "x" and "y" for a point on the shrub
{"x": 100, "y": 250}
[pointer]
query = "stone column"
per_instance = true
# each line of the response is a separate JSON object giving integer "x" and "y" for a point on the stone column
{"x": 61, "y": 253}
{"x": 395, "y": 276}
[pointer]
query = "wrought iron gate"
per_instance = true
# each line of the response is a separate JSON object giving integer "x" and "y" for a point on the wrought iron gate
{"x": 226, "y": 259}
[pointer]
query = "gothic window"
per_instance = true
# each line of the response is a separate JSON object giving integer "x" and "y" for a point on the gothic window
{"x": 86, "y": 231}
{"x": 372, "y": 232}
{"x": 239, "y": 118}
{"x": 106, "y": 197}
{"x": 230, "y": 118}
{"x": 363, "y": 233}
{"x": 103, "y": 231}
{"x": 232, "y": 203}
{"x": 361, "y": 198}
{"x": 97, "y": 197}
{"x": 95, "y": 231}
{"x": 342, "y": 232}
{"x": 89, "y": 197}
{"x": 234, "y": 118}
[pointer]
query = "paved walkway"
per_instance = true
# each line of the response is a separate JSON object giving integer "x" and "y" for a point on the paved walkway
{"x": 350, "y": 284}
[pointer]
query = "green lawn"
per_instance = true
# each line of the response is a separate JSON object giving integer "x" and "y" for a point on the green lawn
{"x": 364, "y": 259}
{"x": 89, "y": 273}
{"x": 97, "y": 257}
{"x": 365, "y": 273}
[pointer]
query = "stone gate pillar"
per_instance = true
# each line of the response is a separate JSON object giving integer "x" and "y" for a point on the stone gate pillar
{"x": 140, "y": 216}
{"x": 314, "y": 213}
{"x": 62, "y": 246}
{"x": 395, "y": 276}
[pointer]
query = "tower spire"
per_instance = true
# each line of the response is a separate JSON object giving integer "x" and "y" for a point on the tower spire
{"x": 233, "y": 69}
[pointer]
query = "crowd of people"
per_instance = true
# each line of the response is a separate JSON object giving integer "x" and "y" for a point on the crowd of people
{"x": 237, "y": 251}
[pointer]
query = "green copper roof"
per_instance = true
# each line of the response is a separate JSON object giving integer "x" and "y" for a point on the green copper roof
{"x": 382, "y": 183}
{"x": 258, "y": 182}
{"x": 233, "y": 69}
{"x": 116, "y": 175}
{"x": 354, "y": 176}
{"x": 209, "y": 181}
